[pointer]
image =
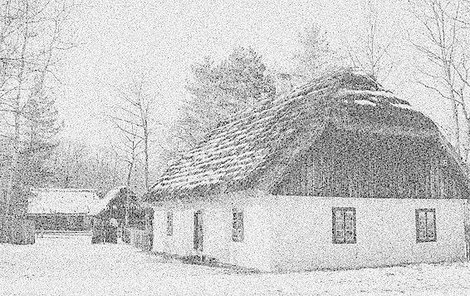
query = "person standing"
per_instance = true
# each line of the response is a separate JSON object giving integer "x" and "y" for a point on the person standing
{"x": 111, "y": 236}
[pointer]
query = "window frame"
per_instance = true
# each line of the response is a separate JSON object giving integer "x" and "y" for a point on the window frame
{"x": 198, "y": 228}
{"x": 169, "y": 223}
{"x": 426, "y": 238}
{"x": 343, "y": 211}
{"x": 238, "y": 225}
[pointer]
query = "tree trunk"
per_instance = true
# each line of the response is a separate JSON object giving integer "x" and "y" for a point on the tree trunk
{"x": 128, "y": 185}
{"x": 145, "y": 127}
{"x": 146, "y": 165}
{"x": 466, "y": 116}
{"x": 13, "y": 178}
{"x": 455, "y": 115}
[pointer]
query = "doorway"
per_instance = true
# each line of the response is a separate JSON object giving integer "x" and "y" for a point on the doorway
{"x": 198, "y": 233}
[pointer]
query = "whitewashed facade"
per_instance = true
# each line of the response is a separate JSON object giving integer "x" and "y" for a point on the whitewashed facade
{"x": 291, "y": 233}
{"x": 253, "y": 252}
{"x": 385, "y": 233}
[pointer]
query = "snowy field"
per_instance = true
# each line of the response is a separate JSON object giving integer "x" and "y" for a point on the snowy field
{"x": 73, "y": 266}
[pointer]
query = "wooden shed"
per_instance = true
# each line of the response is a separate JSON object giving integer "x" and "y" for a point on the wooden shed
{"x": 113, "y": 208}
{"x": 61, "y": 209}
{"x": 339, "y": 173}
{"x": 114, "y": 204}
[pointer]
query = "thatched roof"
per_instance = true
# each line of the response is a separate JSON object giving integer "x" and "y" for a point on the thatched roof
{"x": 235, "y": 155}
{"x": 62, "y": 201}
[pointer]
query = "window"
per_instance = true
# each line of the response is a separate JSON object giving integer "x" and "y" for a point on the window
{"x": 198, "y": 231}
{"x": 425, "y": 225}
{"x": 169, "y": 223}
{"x": 344, "y": 225}
{"x": 237, "y": 225}
{"x": 80, "y": 223}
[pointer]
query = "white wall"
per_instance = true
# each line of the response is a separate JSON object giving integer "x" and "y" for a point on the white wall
{"x": 181, "y": 243}
{"x": 253, "y": 252}
{"x": 158, "y": 230}
{"x": 385, "y": 231}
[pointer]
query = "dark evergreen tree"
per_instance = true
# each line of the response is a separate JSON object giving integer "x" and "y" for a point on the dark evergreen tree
{"x": 39, "y": 140}
{"x": 220, "y": 90}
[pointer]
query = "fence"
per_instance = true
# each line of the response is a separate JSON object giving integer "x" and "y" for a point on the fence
{"x": 16, "y": 231}
{"x": 467, "y": 228}
{"x": 141, "y": 239}
{"x": 467, "y": 241}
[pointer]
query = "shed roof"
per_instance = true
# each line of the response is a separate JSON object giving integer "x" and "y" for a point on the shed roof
{"x": 101, "y": 204}
{"x": 62, "y": 201}
{"x": 237, "y": 153}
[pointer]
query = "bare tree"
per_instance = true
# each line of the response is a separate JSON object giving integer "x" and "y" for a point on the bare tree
{"x": 76, "y": 165}
{"x": 314, "y": 55}
{"x": 371, "y": 54}
{"x": 128, "y": 149}
{"x": 69, "y": 162}
{"x": 134, "y": 116}
{"x": 445, "y": 46}
{"x": 32, "y": 36}
{"x": 128, "y": 154}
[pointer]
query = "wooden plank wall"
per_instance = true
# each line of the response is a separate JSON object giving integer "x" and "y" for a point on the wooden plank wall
{"x": 355, "y": 165}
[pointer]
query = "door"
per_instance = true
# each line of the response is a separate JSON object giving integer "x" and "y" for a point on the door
{"x": 467, "y": 228}
{"x": 198, "y": 234}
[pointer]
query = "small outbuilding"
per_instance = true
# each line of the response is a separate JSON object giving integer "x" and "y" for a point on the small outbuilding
{"x": 57, "y": 209}
{"x": 338, "y": 173}
{"x": 109, "y": 214}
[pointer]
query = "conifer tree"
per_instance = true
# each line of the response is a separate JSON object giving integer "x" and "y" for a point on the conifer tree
{"x": 220, "y": 90}
{"x": 40, "y": 129}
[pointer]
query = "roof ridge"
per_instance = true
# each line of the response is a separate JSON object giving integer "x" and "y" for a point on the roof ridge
{"x": 45, "y": 189}
{"x": 237, "y": 151}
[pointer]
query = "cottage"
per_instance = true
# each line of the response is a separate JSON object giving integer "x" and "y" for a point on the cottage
{"x": 119, "y": 206}
{"x": 339, "y": 173}
{"x": 56, "y": 209}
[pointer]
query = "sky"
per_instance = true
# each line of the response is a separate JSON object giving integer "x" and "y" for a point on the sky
{"x": 166, "y": 37}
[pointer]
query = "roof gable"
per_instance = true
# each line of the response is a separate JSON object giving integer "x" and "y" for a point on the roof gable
{"x": 238, "y": 153}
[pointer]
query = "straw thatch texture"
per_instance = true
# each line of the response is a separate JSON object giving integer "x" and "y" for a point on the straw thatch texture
{"x": 256, "y": 147}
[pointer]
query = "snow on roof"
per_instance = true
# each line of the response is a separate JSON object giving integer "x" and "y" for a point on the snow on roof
{"x": 63, "y": 201}
{"x": 103, "y": 203}
{"x": 364, "y": 102}
{"x": 239, "y": 153}
{"x": 403, "y": 106}
{"x": 369, "y": 93}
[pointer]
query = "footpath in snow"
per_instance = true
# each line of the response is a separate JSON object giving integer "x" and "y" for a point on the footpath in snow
{"x": 73, "y": 266}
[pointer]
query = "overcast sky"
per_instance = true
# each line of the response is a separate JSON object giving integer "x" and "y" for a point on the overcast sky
{"x": 168, "y": 36}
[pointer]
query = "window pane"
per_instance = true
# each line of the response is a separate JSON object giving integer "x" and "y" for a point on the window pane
{"x": 339, "y": 225}
{"x": 349, "y": 221}
{"x": 237, "y": 225}
{"x": 349, "y": 237}
{"x": 349, "y": 226}
{"x": 421, "y": 226}
{"x": 431, "y": 225}
{"x": 169, "y": 223}
{"x": 422, "y": 221}
{"x": 339, "y": 220}
{"x": 430, "y": 234}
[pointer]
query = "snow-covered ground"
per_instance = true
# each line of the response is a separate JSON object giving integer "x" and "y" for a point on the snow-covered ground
{"x": 73, "y": 266}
